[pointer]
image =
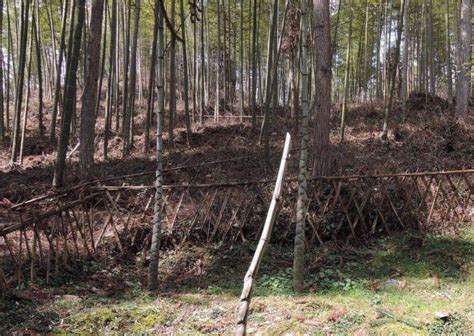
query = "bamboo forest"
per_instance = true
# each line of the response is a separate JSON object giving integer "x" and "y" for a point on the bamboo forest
{"x": 246, "y": 167}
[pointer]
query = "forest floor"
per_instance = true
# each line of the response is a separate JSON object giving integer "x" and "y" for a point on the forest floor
{"x": 423, "y": 137}
{"x": 388, "y": 287}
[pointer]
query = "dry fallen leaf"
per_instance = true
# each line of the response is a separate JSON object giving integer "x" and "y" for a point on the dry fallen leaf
{"x": 337, "y": 314}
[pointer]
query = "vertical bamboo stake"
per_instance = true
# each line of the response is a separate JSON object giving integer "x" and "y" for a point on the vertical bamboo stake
{"x": 33, "y": 261}
{"x": 50, "y": 251}
{"x": 245, "y": 297}
{"x": 56, "y": 259}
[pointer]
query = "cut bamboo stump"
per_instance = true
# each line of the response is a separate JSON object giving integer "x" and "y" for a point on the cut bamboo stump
{"x": 245, "y": 297}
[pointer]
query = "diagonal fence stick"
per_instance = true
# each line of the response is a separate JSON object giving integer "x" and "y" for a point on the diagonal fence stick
{"x": 245, "y": 297}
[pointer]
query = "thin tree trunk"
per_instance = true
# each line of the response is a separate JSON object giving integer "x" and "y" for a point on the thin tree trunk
{"x": 195, "y": 69}
{"x": 378, "y": 81}
{"x": 449, "y": 71}
{"x": 218, "y": 92}
{"x": 102, "y": 62}
{"x": 88, "y": 113}
{"x": 271, "y": 62}
{"x": 10, "y": 68}
{"x": 110, "y": 83}
{"x": 241, "y": 56}
{"x": 172, "y": 82}
{"x": 132, "y": 86}
{"x": 151, "y": 84}
{"x": 424, "y": 52}
{"x": 203, "y": 90}
{"x": 2, "y": 114}
{"x": 388, "y": 43}
{"x": 118, "y": 72}
{"x": 365, "y": 76}
{"x": 405, "y": 54}
{"x": 49, "y": 10}
{"x": 185, "y": 73}
{"x": 27, "y": 100}
{"x": 431, "y": 55}
{"x": 37, "y": 36}
{"x": 346, "y": 74}
{"x": 336, "y": 28}
{"x": 69, "y": 97}
{"x": 126, "y": 17}
{"x": 157, "y": 219}
{"x": 57, "y": 92}
{"x": 224, "y": 55}
{"x": 464, "y": 56}
{"x": 393, "y": 74}
{"x": 25, "y": 6}
{"x": 254, "y": 65}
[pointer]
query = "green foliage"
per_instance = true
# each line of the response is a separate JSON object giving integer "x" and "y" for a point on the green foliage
{"x": 347, "y": 323}
{"x": 330, "y": 279}
{"x": 276, "y": 284}
{"x": 214, "y": 290}
{"x": 376, "y": 8}
{"x": 456, "y": 325}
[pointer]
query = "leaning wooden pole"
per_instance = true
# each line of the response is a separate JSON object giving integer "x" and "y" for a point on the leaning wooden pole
{"x": 244, "y": 302}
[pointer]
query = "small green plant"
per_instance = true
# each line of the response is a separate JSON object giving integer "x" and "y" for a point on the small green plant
{"x": 276, "y": 284}
{"x": 329, "y": 279}
{"x": 455, "y": 325}
{"x": 214, "y": 290}
{"x": 348, "y": 322}
{"x": 346, "y": 284}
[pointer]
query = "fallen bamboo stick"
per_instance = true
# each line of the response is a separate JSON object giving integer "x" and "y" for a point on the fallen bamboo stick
{"x": 151, "y": 172}
{"x": 17, "y": 226}
{"x": 40, "y": 198}
{"x": 408, "y": 321}
{"x": 73, "y": 151}
{"x": 245, "y": 297}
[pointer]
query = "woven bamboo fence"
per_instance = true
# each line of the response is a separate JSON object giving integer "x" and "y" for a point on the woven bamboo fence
{"x": 50, "y": 234}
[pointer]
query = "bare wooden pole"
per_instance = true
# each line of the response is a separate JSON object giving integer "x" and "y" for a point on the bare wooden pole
{"x": 245, "y": 297}
{"x": 158, "y": 215}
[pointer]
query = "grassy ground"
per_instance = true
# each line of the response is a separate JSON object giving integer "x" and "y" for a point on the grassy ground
{"x": 394, "y": 286}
